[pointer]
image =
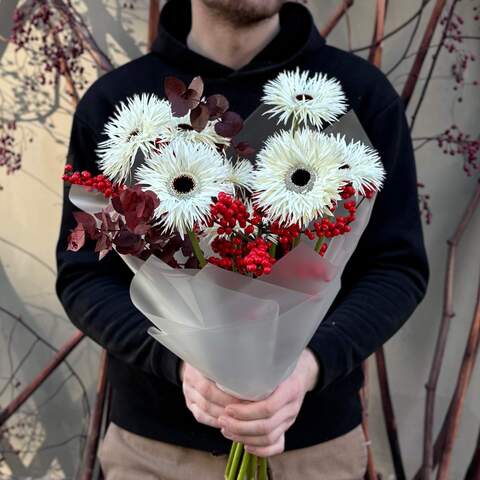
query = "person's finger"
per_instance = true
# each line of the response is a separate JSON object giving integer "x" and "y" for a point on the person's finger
{"x": 270, "y": 438}
{"x": 260, "y": 427}
{"x": 263, "y": 409}
{"x": 269, "y": 451}
{"x": 211, "y": 408}
{"x": 209, "y": 390}
{"x": 203, "y": 417}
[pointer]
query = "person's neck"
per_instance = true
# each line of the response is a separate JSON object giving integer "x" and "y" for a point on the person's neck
{"x": 228, "y": 44}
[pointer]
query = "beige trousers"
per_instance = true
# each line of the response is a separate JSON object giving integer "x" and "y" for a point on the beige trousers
{"x": 126, "y": 456}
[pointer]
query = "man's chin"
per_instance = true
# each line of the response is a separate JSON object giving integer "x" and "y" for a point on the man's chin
{"x": 244, "y": 12}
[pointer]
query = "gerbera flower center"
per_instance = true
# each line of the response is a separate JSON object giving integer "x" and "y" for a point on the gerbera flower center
{"x": 303, "y": 96}
{"x": 133, "y": 134}
{"x": 183, "y": 184}
{"x": 300, "y": 179}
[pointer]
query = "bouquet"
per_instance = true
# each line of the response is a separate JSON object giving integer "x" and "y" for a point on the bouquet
{"x": 237, "y": 234}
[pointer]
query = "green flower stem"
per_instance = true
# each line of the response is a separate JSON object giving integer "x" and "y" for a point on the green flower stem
{"x": 296, "y": 241}
{"x": 244, "y": 467}
{"x": 319, "y": 243}
{"x": 273, "y": 250}
{"x": 196, "y": 248}
{"x": 263, "y": 475}
{"x": 232, "y": 474}
{"x": 230, "y": 459}
{"x": 252, "y": 471}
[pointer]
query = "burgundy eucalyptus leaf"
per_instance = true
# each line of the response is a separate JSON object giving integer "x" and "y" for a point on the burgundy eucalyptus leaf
{"x": 89, "y": 223}
{"x": 117, "y": 204}
{"x": 103, "y": 243}
{"x": 76, "y": 239}
{"x": 230, "y": 125}
{"x": 244, "y": 149}
{"x": 127, "y": 242}
{"x": 197, "y": 85}
{"x": 199, "y": 117}
{"x": 174, "y": 87}
{"x": 217, "y": 106}
{"x": 192, "y": 262}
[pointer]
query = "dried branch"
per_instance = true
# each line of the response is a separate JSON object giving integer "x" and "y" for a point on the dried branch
{"x": 336, "y": 17}
{"x": 447, "y": 315}
{"x": 412, "y": 79}
{"x": 458, "y": 399}
{"x": 371, "y": 473}
{"x": 28, "y": 391}
{"x": 473, "y": 471}
{"x": 90, "y": 452}
{"x": 389, "y": 414}
{"x": 153, "y": 14}
{"x": 375, "y": 55}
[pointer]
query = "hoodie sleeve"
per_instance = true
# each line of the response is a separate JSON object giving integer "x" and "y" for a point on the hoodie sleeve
{"x": 95, "y": 294}
{"x": 387, "y": 275}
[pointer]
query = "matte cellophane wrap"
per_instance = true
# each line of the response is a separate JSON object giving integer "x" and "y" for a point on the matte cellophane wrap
{"x": 245, "y": 334}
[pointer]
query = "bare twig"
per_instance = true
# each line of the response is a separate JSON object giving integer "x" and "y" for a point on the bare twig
{"x": 412, "y": 79}
{"x": 375, "y": 55}
{"x": 431, "y": 386}
{"x": 30, "y": 389}
{"x": 458, "y": 399}
{"x": 93, "y": 435}
{"x": 371, "y": 473}
{"x": 389, "y": 414}
{"x": 431, "y": 69}
{"x": 153, "y": 14}
{"x": 473, "y": 471}
{"x": 336, "y": 17}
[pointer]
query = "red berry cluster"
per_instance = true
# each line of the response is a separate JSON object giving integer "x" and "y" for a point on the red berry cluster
{"x": 286, "y": 234}
{"x": 246, "y": 257}
{"x": 228, "y": 212}
{"x": 454, "y": 142}
{"x": 258, "y": 260}
{"x": 87, "y": 180}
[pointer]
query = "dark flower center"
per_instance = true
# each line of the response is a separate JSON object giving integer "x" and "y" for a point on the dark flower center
{"x": 304, "y": 96}
{"x": 133, "y": 133}
{"x": 300, "y": 177}
{"x": 183, "y": 184}
{"x": 185, "y": 126}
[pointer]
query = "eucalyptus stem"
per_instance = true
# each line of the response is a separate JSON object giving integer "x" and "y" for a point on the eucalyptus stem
{"x": 230, "y": 459}
{"x": 263, "y": 475}
{"x": 244, "y": 467}
{"x": 252, "y": 471}
{"x": 232, "y": 474}
{"x": 196, "y": 248}
{"x": 319, "y": 244}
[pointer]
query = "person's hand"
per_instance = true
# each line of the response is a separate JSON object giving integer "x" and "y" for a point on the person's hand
{"x": 203, "y": 398}
{"x": 261, "y": 425}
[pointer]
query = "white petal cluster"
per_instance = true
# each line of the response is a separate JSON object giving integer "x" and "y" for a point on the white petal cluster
{"x": 299, "y": 176}
{"x": 134, "y": 127}
{"x": 364, "y": 168}
{"x": 304, "y": 99}
{"x": 184, "y": 176}
{"x": 182, "y": 128}
{"x": 240, "y": 173}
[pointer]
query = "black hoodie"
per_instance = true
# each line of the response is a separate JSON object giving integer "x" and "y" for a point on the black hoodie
{"x": 383, "y": 283}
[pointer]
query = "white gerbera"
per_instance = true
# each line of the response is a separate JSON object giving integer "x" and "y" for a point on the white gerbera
{"x": 297, "y": 177}
{"x": 184, "y": 176}
{"x": 135, "y": 126}
{"x": 182, "y": 128}
{"x": 364, "y": 170}
{"x": 304, "y": 100}
{"x": 240, "y": 173}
